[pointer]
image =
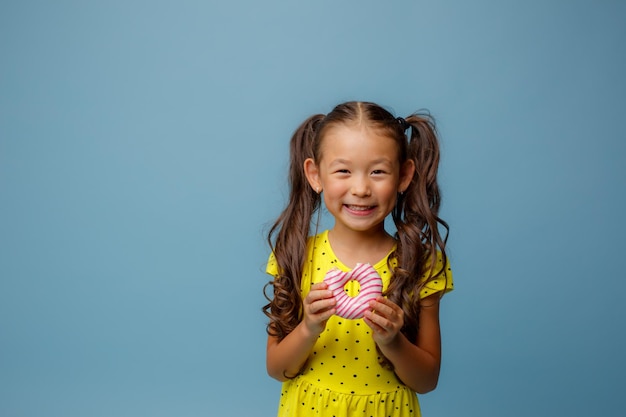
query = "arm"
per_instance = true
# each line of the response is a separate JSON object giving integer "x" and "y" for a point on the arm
{"x": 415, "y": 363}
{"x": 286, "y": 357}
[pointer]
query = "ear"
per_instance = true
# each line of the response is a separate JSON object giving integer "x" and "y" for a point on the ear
{"x": 406, "y": 175}
{"x": 312, "y": 173}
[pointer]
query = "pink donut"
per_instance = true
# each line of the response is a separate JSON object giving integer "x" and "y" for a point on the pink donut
{"x": 371, "y": 288}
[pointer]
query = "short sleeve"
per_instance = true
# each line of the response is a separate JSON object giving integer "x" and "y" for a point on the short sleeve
{"x": 442, "y": 282}
{"x": 272, "y": 266}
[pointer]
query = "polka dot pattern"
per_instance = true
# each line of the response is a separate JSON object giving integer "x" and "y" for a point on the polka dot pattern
{"x": 342, "y": 375}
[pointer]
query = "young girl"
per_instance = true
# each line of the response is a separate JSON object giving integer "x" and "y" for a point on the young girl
{"x": 359, "y": 160}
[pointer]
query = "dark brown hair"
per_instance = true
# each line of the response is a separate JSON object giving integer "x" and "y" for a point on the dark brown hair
{"x": 416, "y": 214}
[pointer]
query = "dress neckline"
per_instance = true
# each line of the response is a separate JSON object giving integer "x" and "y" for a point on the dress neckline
{"x": 326, "y": 242}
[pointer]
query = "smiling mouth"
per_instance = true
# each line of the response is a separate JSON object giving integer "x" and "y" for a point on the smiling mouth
{"x": 358, "y": 208}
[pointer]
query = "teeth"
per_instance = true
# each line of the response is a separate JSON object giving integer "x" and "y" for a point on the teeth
{"x": 359, "y": 208}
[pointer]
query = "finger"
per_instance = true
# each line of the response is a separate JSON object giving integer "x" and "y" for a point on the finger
{"x": 322, "y": 305}
{"x": 327, "y": 314}
{"x": 378, "y": 321}
{"x": 315, "y": 295}
{"x": 319, "y": 286}
{"x": 387, "y": 303}
{"x": 382, "y": 309}
{"x": 373, "y": 325}
{"x": 388, "y": 309}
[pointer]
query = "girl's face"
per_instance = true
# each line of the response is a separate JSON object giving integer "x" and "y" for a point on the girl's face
{"x": 360, "y": 175}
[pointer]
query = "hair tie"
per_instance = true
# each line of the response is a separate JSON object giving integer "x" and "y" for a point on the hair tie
{"x": 403, "y": 123}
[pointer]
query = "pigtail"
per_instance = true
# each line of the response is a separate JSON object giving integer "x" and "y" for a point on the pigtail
{"x": 425, "y": 198}
{"x": 417, "y": 221}
{"x": 288, "y": 236}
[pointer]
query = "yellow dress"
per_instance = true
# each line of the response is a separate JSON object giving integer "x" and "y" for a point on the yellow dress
{"x": 342, "y": 376}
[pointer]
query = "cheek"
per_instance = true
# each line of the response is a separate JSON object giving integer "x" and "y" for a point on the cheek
{"x": 332, "y": 190}
{"x": 390, "y": 188}
{"x": 392, "y": 198}
{"x": 389, "y": 194}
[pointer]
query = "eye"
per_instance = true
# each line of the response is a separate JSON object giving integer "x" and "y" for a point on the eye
{"x": 378, "y": 172}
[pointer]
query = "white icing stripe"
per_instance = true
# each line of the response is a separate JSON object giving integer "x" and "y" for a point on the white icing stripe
{"x": 370, "y": 288}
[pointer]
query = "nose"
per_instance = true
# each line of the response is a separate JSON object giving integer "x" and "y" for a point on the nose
{"x": 361, "y": 187}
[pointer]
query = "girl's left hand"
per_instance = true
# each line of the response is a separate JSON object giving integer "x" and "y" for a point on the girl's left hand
{"x": 386, "y": 319}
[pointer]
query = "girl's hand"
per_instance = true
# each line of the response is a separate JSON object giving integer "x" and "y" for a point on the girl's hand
{"x": 318, "y": 306}
{"x": 386, "y": 319}
{"x": 286, "y": 357}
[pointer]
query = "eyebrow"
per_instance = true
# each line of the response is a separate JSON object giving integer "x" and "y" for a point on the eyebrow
{"x": 340, "y": 161}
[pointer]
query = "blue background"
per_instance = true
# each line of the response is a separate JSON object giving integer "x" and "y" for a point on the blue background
{"x": 143, "y": 151}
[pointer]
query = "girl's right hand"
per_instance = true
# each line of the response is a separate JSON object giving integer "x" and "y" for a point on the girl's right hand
{"x": 286, "y": 357}
{"x": 319, "y": 306}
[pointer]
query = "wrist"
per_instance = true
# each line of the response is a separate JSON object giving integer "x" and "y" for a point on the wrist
{"x": 393, "y": 346}
{"x": 307, "y": 333}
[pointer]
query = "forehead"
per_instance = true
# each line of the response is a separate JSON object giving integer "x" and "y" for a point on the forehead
{"x": 357, "y": 139}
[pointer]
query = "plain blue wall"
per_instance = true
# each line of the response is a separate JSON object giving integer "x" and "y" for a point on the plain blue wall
{"x": 143, "y": 149}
